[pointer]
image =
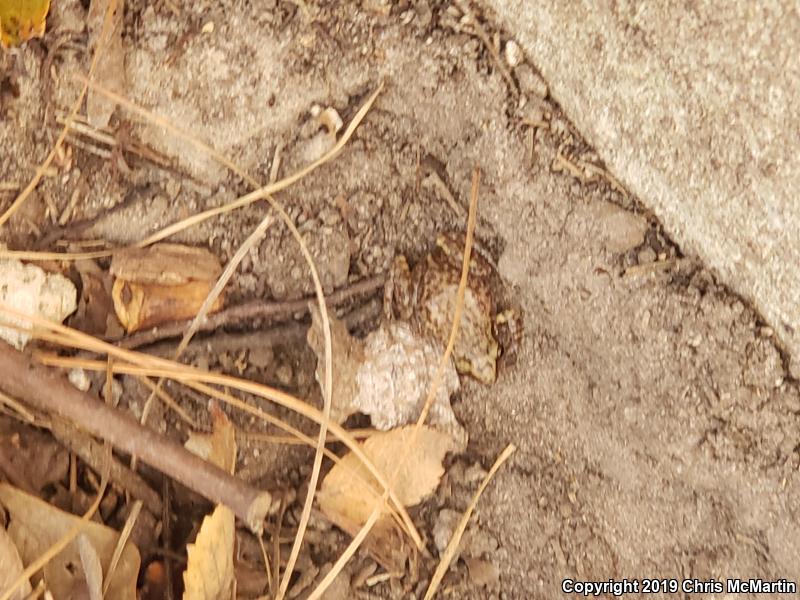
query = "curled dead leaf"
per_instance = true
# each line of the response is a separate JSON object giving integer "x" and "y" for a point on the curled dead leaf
{"x": 162, "y": 283}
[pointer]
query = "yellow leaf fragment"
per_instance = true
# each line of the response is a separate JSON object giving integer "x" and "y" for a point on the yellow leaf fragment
{"x": 21, "y": 20}
{"x": 34, "y": 526}
{"x": 209, "y": 568}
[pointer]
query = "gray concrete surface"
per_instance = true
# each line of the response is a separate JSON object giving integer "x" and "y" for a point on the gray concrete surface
{"x": 696, "y": 107}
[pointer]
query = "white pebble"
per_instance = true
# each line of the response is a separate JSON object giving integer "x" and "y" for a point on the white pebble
{"x": 513, "y": 53}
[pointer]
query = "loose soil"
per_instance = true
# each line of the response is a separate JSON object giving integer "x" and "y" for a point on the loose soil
{"x": 656, "y": 424}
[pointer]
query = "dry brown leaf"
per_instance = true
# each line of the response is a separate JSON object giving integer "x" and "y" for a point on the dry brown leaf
{"x": 348, "y": 493}
{"x": 162, "y": 283}
{"x": 209, "y": 568}
{"x": 110, "y": 69}
{"x": 349, "y": 490}
{"x": 35, "y": 526}
{"x": 11, "y": 566}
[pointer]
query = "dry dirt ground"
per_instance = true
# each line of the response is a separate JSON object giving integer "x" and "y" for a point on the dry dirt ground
{"x": 658, "y": 431}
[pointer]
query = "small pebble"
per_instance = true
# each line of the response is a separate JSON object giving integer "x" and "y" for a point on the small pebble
{"x": 79, "y": 379}
{"x": 513, "y": 54}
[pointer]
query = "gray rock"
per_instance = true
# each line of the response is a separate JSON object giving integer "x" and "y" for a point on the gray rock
{"x": 696, "y": 109}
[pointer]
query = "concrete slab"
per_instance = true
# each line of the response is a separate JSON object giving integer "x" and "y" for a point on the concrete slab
{"x": 696, "y": 108}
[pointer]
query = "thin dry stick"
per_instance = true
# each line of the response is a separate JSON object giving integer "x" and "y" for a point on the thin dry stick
{"x": 42, "y": 256}
{"x": 60, "y": 544}
{"x": 23, "y": 413}
{"x": 46, "y": 390}
{"x": 265, "y": 558}
{"x": 259, "y": 309}
{"x": 452, "y": 546}
{"x": 326, "y": 410}
{"x": 462, "y": 288}
{"x": 258, "y": 436}
{"x": 43, "y": 167}
{"x": 38, "y": 592}
{"x": 380, "y": 502}
{"x": 167, "y": 399}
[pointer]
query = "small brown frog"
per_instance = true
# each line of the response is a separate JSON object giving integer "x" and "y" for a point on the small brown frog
{"x": 425, "y": 296}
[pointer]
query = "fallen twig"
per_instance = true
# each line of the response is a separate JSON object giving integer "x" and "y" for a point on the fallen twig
{"x": 47, "y": 390}
{"x": 251, "y": 310}
{"x": 293, "y": 332}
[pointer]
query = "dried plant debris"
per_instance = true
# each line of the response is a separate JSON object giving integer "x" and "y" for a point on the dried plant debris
{"x": 209, "y": 570}
{"x": 386, "y": 376}
{"x": 349, "y": 493}
{"x": 34, "y": 526}
{"x": 162, "y": 283}
{"x": 31, "y": 290}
